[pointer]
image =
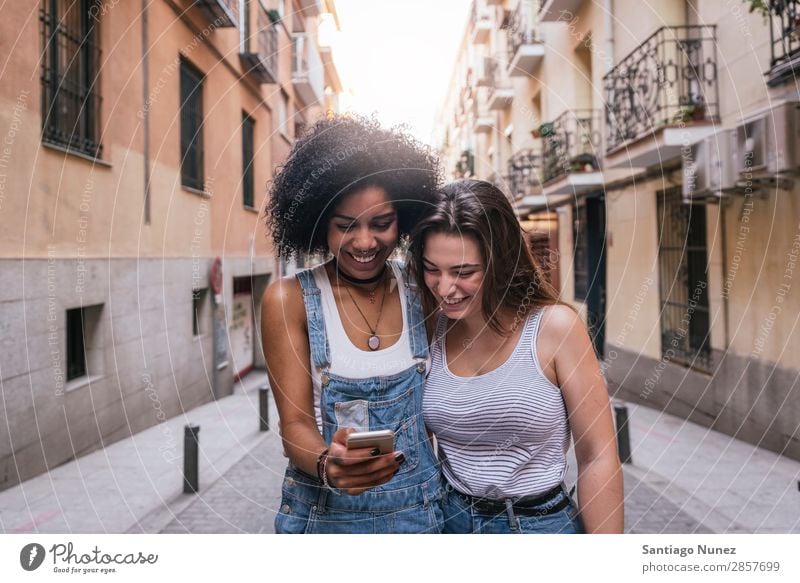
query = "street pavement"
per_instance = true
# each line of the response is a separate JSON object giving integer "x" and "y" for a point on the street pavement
{"x": 683, "y": 479}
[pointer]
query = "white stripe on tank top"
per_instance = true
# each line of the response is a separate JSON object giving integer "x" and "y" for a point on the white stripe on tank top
{"x": 503, "y": 433}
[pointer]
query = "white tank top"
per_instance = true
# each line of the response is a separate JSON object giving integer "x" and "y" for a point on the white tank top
{"x": 349, "y": 361}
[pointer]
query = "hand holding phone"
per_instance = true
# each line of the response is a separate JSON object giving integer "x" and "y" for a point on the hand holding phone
{"x": 382, "y": 439}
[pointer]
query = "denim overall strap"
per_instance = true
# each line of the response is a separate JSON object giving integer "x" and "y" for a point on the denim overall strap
{"x": 317, "y": 336}
{"x": 417, "y": 335}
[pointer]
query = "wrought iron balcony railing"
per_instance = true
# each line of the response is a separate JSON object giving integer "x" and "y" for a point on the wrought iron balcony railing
{"x": 523, "y": 177}
{"x": 522, "y": 27}
{"x": 669, "y": 79}
{"x": 570, "y": 143}
{"x": 784, "y": 41}
{"x": 221, "y": 12}
{"x": 260, "y": 51}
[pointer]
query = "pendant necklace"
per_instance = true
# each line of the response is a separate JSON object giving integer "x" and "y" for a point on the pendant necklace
{"x": 373, "y": 342}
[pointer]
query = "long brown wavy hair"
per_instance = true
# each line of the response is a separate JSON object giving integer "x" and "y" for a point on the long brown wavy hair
{"x": 512, "y": 279}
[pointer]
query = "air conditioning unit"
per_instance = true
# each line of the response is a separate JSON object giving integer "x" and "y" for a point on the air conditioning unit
{"x": 709, "y": 168}
{"x": 768, "y": 144}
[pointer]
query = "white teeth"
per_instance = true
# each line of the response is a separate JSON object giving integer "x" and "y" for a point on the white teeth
{"x": 454, "y": 301}
{"x": 362, "y": 259}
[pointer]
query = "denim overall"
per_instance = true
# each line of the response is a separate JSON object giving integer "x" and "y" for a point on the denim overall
{"x": 410, "y": 502}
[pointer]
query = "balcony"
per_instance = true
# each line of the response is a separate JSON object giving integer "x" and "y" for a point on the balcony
{"x": 308, "y": 75}
{"x": 483, "y": 119}
{"x": 259, "y": 54}
{"x": 484, "y": 72}
{"x": 523, "y": 174}
{"x": 501, "y": 92}
{"x": 224, "y": 13}
{"x": 484, "y": 123}
{"x": 310, "y": 8}
{"x": 553, "y": 10}
{"x": 525, "y": 48}
{"x": 661, "y": 96}
{"x": 465, "y": 167}
{"x": 481, "y": 24}
{"x": 523, "y": 180}
{"x": 784, "y": 32}
{"x": 570, "y": 145}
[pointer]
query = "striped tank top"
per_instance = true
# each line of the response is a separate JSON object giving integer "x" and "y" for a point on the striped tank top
{"x": 503, "y": 433}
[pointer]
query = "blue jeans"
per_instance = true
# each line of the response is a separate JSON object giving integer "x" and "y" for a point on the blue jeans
{"x": 460, "y": 517}
{"x": 301, "y": 512}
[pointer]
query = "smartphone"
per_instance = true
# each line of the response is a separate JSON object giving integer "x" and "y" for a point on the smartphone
{"x": 383, "y": 440}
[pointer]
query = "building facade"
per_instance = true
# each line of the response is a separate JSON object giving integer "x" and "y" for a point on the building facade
{"x": 653, "y": 153}
{"x": 138, "y": 142}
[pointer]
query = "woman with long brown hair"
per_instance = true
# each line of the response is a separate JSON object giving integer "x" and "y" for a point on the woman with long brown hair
{"x": 513, "y": 376}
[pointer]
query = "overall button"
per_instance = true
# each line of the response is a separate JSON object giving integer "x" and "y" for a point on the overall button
{"x": 324, "y": 379}
{"x": 420, "y": 367}
{"x": 289, "y": 482}
{"x": 286, "y": 509}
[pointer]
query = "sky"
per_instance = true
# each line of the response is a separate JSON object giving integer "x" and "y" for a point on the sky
{"x": 396, "y": 57}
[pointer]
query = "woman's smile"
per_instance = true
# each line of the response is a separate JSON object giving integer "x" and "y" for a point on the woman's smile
{"x": 362, "y": 232}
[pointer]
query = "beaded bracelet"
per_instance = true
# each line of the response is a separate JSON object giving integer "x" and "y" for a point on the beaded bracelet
{"x": 325, "y": 481}
{"x": 322, "y": 459}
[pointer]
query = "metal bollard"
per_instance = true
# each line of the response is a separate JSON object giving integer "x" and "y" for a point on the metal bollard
{"x": 263, "y": 408}
{"x": 191, "y": 449}
{"x": 623, "y": 436}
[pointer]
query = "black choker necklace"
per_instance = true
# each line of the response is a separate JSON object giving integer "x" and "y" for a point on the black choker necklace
{"x": 354, "y": 280}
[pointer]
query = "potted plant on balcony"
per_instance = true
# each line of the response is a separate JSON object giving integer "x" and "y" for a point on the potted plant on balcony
{"x": 544, "y": 130}
{"x": 690, "y": 113}
{"x": 760, "y": 6}
{"x": 274, "y": 16}
{"x": 583, "y": 163}
{"x": 765, "y": 7}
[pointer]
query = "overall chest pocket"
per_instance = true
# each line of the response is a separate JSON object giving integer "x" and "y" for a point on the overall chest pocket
{"x": 400, "y": 414}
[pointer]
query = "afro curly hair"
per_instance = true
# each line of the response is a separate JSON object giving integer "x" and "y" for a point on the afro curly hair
{"x": 338, "y": 155}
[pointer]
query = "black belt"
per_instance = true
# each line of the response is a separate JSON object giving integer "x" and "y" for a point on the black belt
{"x": 524, "y": 506}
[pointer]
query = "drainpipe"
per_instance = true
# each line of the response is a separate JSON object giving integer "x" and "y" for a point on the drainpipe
{"x": 724, "y": 258}
{"x": 608, "y": 20}
{"x": 145, "y": 114}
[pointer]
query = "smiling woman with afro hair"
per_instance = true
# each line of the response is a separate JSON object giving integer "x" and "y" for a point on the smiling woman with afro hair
{"x": 345, "y": 342}
{"x": 333, "y": 158}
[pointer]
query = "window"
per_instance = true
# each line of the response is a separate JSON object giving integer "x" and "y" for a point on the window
{"x": 200, "y": 313}
{"x": 282, "y": 114}
{"x": 70, "y": 82}
{"x": 580, "y": 243}
{"x": 191, "y": 94}
{"x": 248, "y": 182}
{"x": 683, "y": 277}
{"x": 76, "y": 349}
{"x": 84, "y": 346}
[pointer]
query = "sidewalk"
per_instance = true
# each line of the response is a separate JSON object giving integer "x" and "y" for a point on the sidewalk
{"x": 683, "y": 479}
{"x": 725, "y": 484}
{"x": 111, "y": 490}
